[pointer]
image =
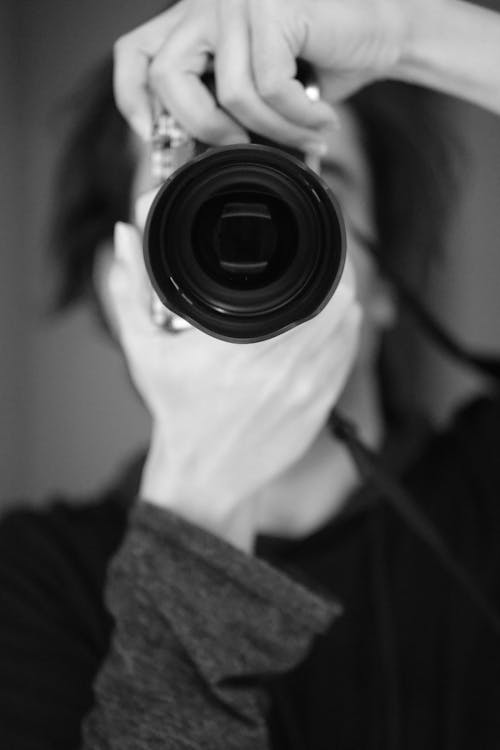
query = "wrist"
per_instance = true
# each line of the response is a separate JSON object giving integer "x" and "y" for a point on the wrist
{"x": 453, "y": 46}
{"x": 422, "y": 39}
{"x": 177, "y": 485}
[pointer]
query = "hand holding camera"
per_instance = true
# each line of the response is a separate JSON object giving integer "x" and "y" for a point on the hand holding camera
{"x": 227, "y": 418}
{"x": 245, "y": 243}
{"x": 255, "y": 44}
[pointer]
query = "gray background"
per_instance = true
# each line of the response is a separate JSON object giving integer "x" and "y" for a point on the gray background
{"x": 67, "y": 417}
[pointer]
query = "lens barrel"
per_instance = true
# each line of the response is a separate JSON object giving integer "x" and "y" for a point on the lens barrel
{"x": 244, "y": 242}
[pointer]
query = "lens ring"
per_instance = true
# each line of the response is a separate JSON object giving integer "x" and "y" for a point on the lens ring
{"x": 239, "y": 314}
{"x": 186, "y": 268}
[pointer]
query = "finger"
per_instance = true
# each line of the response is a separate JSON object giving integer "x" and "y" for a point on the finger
{"x": 176, "y": 82}
{"x": 236, "y": 91}
{"x": 160, "y": 314}
{"x": 320, "y": 378}
{"x": 128, "y": 250}
{"x": 342, "y": 345}
{"x": 331, "y": 339}
{"x": 301, "y": 346}
{"x": 142, "y": 207}
{"x": 132, "y": 55}
{"x": 338, "y": 356}
{"x": 274, "y": 68}
{"x": 175, "y": 73}
{"x": 340, "y": 85}
{"x": 143, "y": 311}
{"x": 128, "y": 283}
{"x": 325, "y": 323}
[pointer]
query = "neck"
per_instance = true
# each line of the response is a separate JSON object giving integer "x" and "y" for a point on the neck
{"x": 317, "y": 486}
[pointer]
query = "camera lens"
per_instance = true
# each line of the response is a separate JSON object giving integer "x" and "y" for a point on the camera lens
{"x": 244, "y": 242}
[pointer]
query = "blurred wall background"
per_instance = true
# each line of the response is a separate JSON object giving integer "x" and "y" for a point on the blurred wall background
{"x": 67, "y": 419}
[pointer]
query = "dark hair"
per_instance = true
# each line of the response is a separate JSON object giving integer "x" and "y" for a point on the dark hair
{"x": 410, "y": 147}
{"x": 415, "y": 155}
{"x": 92, "y": 183}
{"x": 412, "y": 150}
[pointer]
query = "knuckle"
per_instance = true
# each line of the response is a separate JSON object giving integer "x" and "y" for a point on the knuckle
{"x": 158, "y": 69}
{"x": 269, "y": 87}
{"x": 207, "y": 131}
{"x": 120, "y": 45}
{"x": 302, "y": 391}
{"x": 124, "y": 45}
{"x": 229, "y": 97}
{"x": 124, "y": 102}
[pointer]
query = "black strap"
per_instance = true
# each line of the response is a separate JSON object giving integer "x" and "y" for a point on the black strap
{"x": 396, "y": 496}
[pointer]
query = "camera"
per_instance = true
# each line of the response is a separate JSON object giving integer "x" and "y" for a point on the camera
{"x": 245, "y": 241}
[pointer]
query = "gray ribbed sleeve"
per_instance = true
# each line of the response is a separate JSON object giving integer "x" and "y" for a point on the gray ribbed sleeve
{"x": 199, "y": 627}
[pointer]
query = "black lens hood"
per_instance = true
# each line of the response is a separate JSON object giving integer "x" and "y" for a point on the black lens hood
{"x": 244, "y": 242}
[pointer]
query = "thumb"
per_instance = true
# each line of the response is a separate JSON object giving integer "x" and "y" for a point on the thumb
{"x": 142, "y": 207}
{"x": 128, "y": 284}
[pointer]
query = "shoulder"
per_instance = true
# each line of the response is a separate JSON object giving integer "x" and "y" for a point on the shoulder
{"x": 57, "y": 541}
{"x": 54, "y": 629}
{"x": 68, "y": 537}
{"x": 465, "y": 451}
{"x": 456, "y": 482}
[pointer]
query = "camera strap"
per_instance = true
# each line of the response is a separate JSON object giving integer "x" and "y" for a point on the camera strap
{"x": 372, "y": 471}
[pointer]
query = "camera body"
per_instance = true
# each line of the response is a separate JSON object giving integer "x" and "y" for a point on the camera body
{"x": 246, "y": 241}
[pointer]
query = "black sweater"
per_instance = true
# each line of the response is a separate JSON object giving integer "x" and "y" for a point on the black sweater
{"x": 216, "y": 649}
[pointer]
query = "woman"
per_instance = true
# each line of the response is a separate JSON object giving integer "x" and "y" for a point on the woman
{"x": 213, "y": 646}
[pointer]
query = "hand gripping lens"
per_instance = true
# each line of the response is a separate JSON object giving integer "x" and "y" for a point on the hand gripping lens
{"x": 243, "y": 242}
